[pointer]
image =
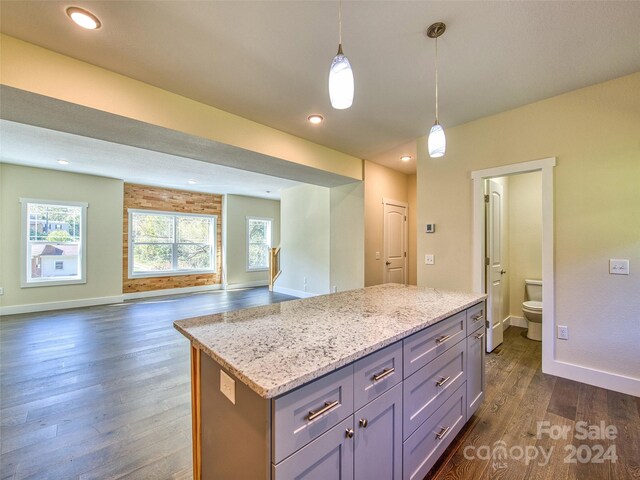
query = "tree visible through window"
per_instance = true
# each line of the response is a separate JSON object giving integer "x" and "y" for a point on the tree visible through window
{"x": 166, "y": 243}
{"x": 258, "y": 243}
{"x": 53, "y": 242}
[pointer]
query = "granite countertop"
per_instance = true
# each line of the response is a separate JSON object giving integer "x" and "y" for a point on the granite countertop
{"x": 276, "y": 348}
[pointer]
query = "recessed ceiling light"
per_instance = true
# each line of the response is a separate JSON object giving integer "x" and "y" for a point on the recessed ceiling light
{"x": 83, "y": 18}
{"x": 64, "y": 162}
{"x": 405, "y": 158}
{"x": 315, "y": 118}
{"x": 191, "y": 181}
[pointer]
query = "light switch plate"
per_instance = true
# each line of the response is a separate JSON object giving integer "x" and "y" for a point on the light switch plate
{"x": 228, "y": 387}
{"x": 618, "y": 266}
{"x": 377, "y": 255}
{"x": 1, "y": 291}
{"x": 429, "y": 259}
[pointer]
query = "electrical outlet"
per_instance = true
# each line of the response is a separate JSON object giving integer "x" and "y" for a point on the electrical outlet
{"x": 1, "y": 291}
{"x": 563, "y": 332}
{"x": 618, "y": 266}
{"x": 377, "y": 255}
{"x": 335, "y": 289}
{"x": 429, "y": 259}
{"x": 228, "y": 387}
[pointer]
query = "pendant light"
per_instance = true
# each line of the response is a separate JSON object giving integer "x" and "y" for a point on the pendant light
{"x": 437, "y": 142}
{"x": 340, "y": 75}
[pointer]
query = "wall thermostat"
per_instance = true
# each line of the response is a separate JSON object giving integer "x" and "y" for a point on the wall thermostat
{"x": 431, "y": 227}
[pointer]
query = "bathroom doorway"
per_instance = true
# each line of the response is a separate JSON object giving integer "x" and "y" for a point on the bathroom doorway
{"x": 503, "y": 303}
{"x": 513, "y": 246}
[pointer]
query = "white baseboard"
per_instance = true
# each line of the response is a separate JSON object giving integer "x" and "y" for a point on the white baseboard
{"x": 43, "y": 307}
{"x": 591, "y": 376}
{"x": 257, "y": 283}
{"x": 171, "y": 291}
{"x": 294, "y": 293}
{"x": 518, "y": 321}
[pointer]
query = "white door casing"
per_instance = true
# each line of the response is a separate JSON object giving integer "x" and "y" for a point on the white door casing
{"x": 395, "y": 241}
{"x": 495, "y": 270}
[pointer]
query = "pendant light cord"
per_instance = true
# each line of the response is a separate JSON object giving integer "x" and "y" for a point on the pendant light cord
{"x": 436, "y": 80}
{"x": 340, "y": 23}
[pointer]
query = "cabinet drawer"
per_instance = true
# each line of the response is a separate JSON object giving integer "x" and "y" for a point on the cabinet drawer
{"x": 306, "y": 413}
{"x": 330, "y": 456}
{"x": 426, "y": 445}
{"x": 375, "y": 374}
{"x": 422, "y": 347}
{"x": 475, "y": 318}
{"x": 429, "y": 387}
{"x": 475, "y": 371}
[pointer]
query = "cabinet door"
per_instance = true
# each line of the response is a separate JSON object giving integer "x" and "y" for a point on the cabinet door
{"x": 378, "y": 438}
{"x": 475, "y": 371}
{"x": 329, "y": 456}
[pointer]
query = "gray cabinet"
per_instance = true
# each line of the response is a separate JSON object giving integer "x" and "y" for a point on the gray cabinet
{"x": 328, "y": 456}
{"x": 475, "y": 371}
{"x": 378, "y": 438}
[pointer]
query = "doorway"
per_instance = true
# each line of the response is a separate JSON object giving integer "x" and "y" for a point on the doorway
{"x": 479, "y": 265}
{"x": 395, "y": 241}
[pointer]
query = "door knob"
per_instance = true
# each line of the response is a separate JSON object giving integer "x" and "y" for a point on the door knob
{"x": 502, "y": 272}
{"x": 388, "y": 262}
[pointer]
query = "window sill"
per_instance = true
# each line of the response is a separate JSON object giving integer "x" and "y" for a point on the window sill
{"x": 266, "y": 269}
{"x": 179, "y": 273}
{"x": 52, "y": 283}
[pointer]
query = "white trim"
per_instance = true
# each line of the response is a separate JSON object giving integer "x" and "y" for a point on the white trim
{"x": 518, "y": 321}
{"x": 246, "y": 242}
{"x": 171, "y": 291}
{"x": 592, "y": 376}
{"x": 294, "y": 293}
{"x": 478, "y": 244}
{"x": 54, "y": 202}
{"x": 223, "y": 240}
{"x": 44, "y": 307}
{"x": 397, "y": 203}
{"x": 256, "y": 283}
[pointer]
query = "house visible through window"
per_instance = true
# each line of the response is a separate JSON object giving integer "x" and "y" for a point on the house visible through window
{"x": 258, "y": 243}
{"x": 53, "y": 242}
{"x": 166, "y": 243}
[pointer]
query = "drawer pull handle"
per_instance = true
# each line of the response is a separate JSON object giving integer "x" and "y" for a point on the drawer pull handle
{"x": 443, "y": 339}
{"x": 364, "y": 422}
{"x": 477, "y": 317}
{"x": 385, "y": 373}
{"x": 327, "y": 406}
{"x": 442, "y": 433}
{"x": 442, "y": 381}
{"x": 349, "y": 432}
{"x": 479, "y": 336}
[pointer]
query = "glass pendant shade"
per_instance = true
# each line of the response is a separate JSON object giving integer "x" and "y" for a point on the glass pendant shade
{"x": 340, "y": 82}
{"x": 437, "y": 141}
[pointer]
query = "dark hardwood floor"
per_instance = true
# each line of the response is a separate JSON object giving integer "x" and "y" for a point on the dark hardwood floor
{"x": 103, "y": 392}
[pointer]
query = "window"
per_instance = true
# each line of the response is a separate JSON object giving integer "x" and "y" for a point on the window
{"x": 53, "y": 244}
{"x": 166, "y": 243}
{"x": 258, "y": 243}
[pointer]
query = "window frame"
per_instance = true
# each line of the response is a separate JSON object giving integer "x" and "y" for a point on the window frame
{"x": 176, "y": 272}
{"x": 24, "y": 241}
{"x": 248, "y": 218}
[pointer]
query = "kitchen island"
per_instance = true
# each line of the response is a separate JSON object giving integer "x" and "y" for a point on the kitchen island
{"x": 335, "y": 386}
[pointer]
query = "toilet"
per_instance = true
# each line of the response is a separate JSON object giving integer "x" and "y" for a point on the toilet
{"x": 532, "y": 309}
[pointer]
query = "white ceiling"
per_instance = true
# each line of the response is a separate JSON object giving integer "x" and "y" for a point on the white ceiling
{"x": 268, "y": 61}
{"x": 40, "y": 147}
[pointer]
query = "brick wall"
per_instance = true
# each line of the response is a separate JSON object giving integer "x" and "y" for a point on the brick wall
{"x": 144, "y": 197}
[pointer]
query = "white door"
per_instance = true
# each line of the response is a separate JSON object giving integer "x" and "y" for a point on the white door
{"x": 495, "y": 271}
{"x": 395, "y": 242}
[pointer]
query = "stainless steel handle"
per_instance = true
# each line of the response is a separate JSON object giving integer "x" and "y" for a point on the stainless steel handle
{"x": 349, "y": 433}
{"x": 364, "y": 422}
{"x": 327, "y": 406}
{"x": 477, "y": 317}
{"x": 443, "y": 339}
{"x": 385, "y": 373}
{"x": 388, "y": 262}
{"x": 479, "y": 336}
{"x": 442, "y": 432}
{"x": 502, "y": 272}
{"x": 442, "y": 381}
